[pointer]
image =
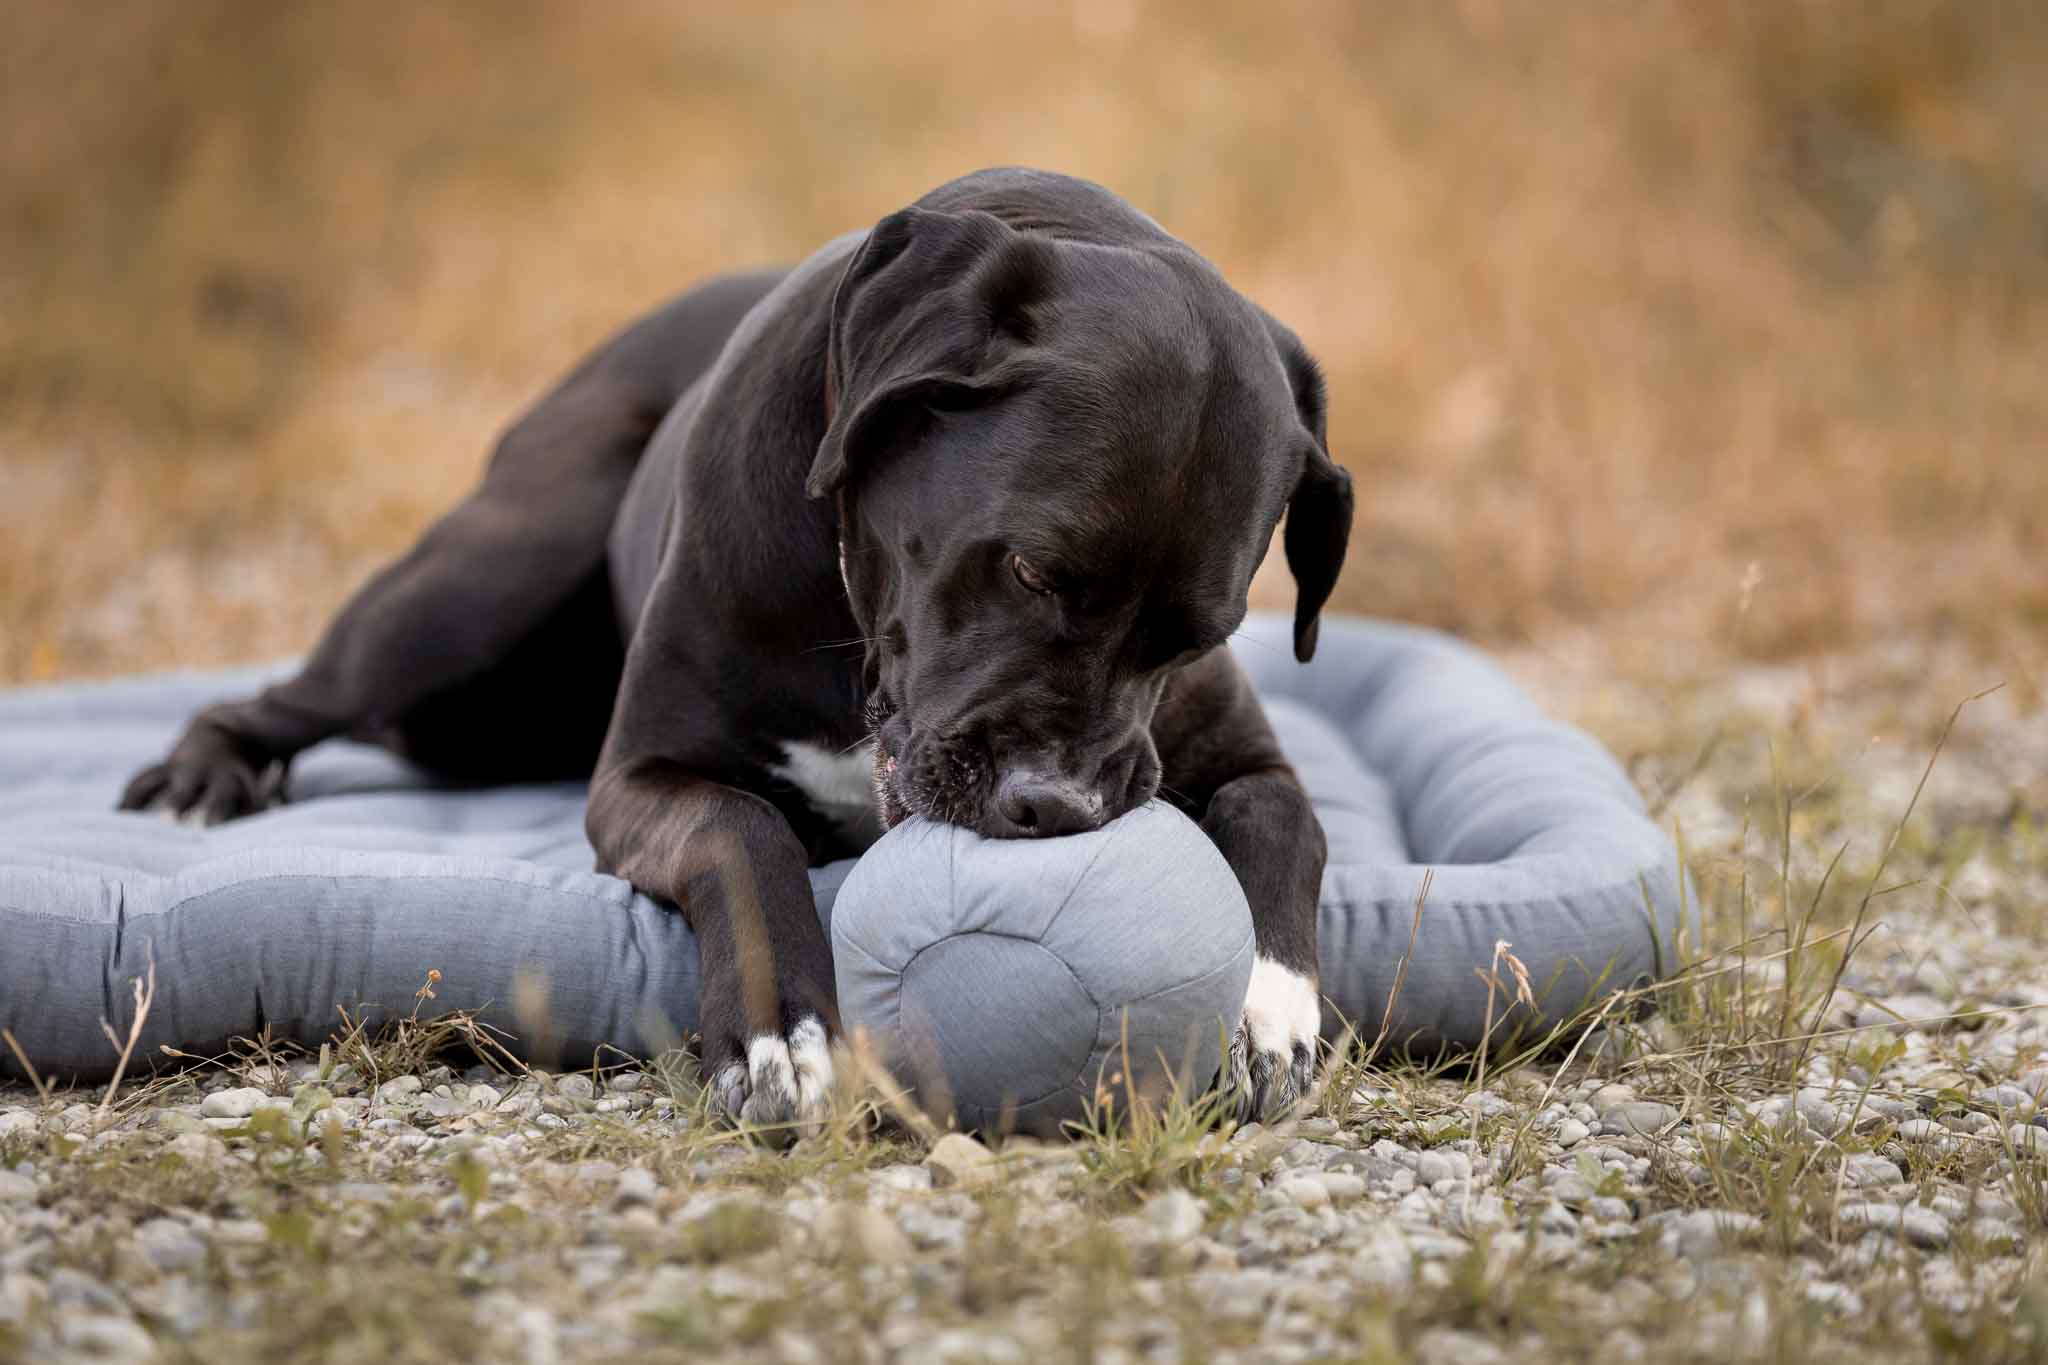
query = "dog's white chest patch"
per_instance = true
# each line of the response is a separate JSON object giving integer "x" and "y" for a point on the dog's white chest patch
{"x": 839, "y": 784}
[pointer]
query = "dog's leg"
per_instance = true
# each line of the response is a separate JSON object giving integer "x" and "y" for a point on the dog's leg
{"x": 1220, "y": 761}
{"x": 1266, "y": 830}
{"x": 731, "y": 862}
{"x": 665, "y": 815}
{"x": 479, "y": 582}
{"x": 480, "y": 579}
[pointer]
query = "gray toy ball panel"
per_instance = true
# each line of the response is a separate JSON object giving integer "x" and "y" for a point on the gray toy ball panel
{"x": 1004, "y": 979}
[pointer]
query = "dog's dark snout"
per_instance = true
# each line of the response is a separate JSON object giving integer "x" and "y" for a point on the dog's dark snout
{"x": 1033, "y": 804}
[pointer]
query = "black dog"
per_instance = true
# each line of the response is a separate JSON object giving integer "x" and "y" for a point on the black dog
{"x": 953, "y": 520}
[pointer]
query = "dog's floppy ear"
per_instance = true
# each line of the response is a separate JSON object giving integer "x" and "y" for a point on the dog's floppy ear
{"x": 912, "y": 324}
{"x": 1319, "y": 510}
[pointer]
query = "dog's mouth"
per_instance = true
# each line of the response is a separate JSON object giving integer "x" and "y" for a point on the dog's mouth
{"x": 889, "y": 803}
{"x": 938, "y": 776}
{"x": 951, "y": 778}
{"x": 891, "y": 806}
{"x": 933, "y": 776}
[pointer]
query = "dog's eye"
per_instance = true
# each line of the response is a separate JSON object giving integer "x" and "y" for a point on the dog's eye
{"x": 1032, "y": 579}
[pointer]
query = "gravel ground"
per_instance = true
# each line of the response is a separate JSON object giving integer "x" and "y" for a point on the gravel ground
{"x": 1708, "y": 1182}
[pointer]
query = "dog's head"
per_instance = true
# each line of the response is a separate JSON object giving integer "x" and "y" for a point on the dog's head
{"x": 1058, "y": 465}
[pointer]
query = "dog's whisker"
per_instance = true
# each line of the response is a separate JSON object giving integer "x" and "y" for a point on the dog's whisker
{"x": 823, "y": 645}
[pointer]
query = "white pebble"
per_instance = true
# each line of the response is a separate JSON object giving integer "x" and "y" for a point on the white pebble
{"x": 238, "y": 1103}
{"x": 1175, "y": 1215}
{"x": 1863, "y": 1170}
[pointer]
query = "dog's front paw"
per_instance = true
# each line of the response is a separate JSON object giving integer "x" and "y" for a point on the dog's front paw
{"x": 1273, "y": 1052}
{"x": 196, "y": 789}
{"x": 210, "y": 775}
{"x": 780, "y": 1085}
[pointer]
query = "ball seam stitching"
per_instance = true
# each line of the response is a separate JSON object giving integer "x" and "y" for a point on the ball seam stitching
{"x": 1017, "y": 938}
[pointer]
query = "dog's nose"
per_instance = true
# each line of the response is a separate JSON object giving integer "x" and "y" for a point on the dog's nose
{"x": 1032, "y": 804}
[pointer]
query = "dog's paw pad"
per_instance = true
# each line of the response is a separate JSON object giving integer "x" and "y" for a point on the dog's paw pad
{"x": 784, "y": 1086}
{"x": 1273, "y": 1052}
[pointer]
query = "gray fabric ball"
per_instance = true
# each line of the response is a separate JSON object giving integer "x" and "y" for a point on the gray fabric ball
{"x": 1004, "y": 980}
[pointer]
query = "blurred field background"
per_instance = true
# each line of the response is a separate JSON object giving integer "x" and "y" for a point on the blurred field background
{"x": 1703, "y": 331}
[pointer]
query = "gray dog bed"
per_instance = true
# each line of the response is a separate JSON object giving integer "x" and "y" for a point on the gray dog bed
{"x": 1006, "y": 979}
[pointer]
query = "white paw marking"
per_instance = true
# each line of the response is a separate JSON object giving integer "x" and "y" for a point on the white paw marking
{"x": 199, "y": 817}
{"x": 1273, "y": 1052}
{"x": 1281, "y": 1007}
{"x": 162, "y": 808}
{"x": 788, "y": 1078}
{"x": 839, "y": 784}
{"x": 771, "y": 1075}
{"x": 810, "y": 1053}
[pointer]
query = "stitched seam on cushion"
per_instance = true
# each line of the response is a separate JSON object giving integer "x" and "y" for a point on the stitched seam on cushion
{"x": 114, "y": 953}
{"x": 370, "y": 877}
{"x": 990, "y": 933}
{"x": 1325, "y": 902}
{"x": 1570, "y": 895}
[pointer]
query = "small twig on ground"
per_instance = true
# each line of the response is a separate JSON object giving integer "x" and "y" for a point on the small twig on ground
{"x": 1400, "y": 971}
{"x": 1490, "y": 974}
{"x": 145, "y": 996}
{"x": 42, "y": 1087}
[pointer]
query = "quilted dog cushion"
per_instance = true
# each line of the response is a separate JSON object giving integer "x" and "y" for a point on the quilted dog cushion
{"x": 1417, "y": 751}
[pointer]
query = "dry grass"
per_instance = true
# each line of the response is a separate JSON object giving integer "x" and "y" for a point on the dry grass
{"x": 1624, "y": 308}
